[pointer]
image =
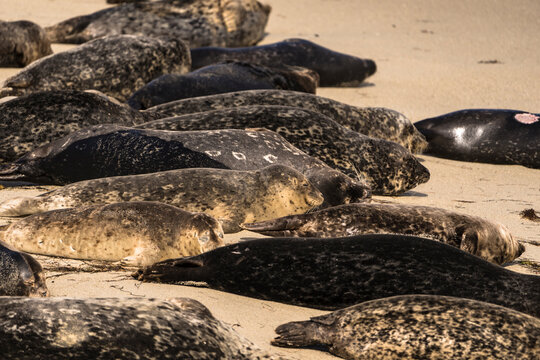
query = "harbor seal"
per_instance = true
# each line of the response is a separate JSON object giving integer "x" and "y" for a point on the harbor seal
{"x": 115, "y": 65}
{"x": 419, "y": 327}
{"x": 340, "y": 272}
{"x": 485, "y": 135}
{"x": 117, "y": 328}
{"x": 33, "y": 120}
{"x": 199, "y": 23}
{"x": 371, "y": 121}
{"x": 22, "y": 42}
{"x": 334, "y": 68}
{"x": 221, "y": 78}
{"x": 137, "y": 233}
{"x": 20, "y": 274}
{"x": 485, "y": 239}
{"x": 387, "y": 167}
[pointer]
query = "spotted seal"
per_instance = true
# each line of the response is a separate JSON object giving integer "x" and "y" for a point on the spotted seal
{"x": 20, "y": 274}
{"x": 36, "y": 119}
{"x": 387, "y": 167}
{"x": 137, "y": 233}
{"x": 221, "y": 78}
{"x": 117, "y": 328}
{"x": 488, "y": 240}
{"x": 371, "y": 121}
{"x": 340, "y": 272}
{"x": 115, "y": 65}
{"x": 199, "y": 23}
{"x": 334, "y": 68}
{"x": 22, "y": 42}
{"x": 419, "y": 327}
{"x": 485, "y": 135}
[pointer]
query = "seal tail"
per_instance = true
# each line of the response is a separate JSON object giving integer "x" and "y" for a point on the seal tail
{"x": 298, "y": 334}
{"x": 284, "y": 226}
{"x": 11, "y": 172}
{"x": 173, "y": 271}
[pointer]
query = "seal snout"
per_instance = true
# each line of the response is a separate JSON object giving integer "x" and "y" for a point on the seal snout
{"x": 371, "y": 67}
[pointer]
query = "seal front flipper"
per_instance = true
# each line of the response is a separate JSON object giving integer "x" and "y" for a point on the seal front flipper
{"x": 173, "y": 271}
{"x": 299, "y": 334}
{"x": 284, "y": 226}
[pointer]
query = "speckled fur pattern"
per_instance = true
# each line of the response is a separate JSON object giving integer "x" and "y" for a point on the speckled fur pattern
{"x": 113, "y": 328}
{"x": 340, "y": 272}
{"x": 419, "y": 327}
{"x": 197, "y": 22}
{"x": 488, "y": 240}
{"x": 115, "y": 65}
{"x": 222, "y": 78}
{"x": 22, "y": 42}
{"x": 138, "y": 233}
{"x": 387, "y": 167}
{"x": 485, "y": 135}
{"x": 334, "y": 68}
{"x": 20, "y": 274}
{"x": 36, "y": 119}
{"x": 371, "y": 121}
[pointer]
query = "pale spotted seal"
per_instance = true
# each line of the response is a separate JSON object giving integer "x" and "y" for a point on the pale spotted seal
{"x": 20, "y": 274}
{"x": 117, "y": 328}
{"x": 115, "y": 65}
{"x": 488, "y": 240}
{"x": 387, "y": 167}
{"x": 340, "y": 272}
{"x": 334, "y": 68}
{"x": 371, "y": 121}
{"x": 22, "y": 42}
{"x": 485, "y": 135}
{"x": 419, "y": 327}
{"x": 199, "y": 23}
{"x": 221, "y": 78}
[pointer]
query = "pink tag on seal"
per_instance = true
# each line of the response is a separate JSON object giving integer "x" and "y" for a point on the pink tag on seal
{"x": 526, "y": 118}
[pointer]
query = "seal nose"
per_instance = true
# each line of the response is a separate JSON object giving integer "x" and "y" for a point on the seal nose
{"x": 371, "y": 66}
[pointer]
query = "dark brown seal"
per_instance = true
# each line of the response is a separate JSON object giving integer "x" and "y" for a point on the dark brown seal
{"x": 22, "y": 42}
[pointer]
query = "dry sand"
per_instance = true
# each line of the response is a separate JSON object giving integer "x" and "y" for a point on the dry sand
{"x": 429, "y": 55}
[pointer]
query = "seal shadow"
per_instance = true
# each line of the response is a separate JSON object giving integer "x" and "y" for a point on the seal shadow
{"x": 412, "y": 193}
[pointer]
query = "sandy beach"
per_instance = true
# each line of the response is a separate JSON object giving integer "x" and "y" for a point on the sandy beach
{"x": 432, "y": 57}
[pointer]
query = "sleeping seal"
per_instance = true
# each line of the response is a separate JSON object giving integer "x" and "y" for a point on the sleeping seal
{"x": 115, "y": 65}
{"x": 20, "y": 274}
{"x": 117, "y": 328}
{"x": 334, "y": 68}
{"x": 484, "y": 135}
{"x": 340, "y": 272}
{"x": 490, "y": 241}
{"x": 22, "y": 42}
{"x": 371, "y": 121}
{"x": 419, "y": 327}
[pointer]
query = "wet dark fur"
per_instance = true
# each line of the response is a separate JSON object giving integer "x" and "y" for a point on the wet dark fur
{"x": 22, "y": 42}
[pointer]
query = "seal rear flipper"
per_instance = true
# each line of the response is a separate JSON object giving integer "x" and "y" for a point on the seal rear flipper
{"x": 172, "y": 271}
{"x": 298, "y": 334}
{"x": 283, "y": 226}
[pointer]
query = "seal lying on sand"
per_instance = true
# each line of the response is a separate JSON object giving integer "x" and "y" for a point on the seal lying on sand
{"x": 490, "y": 241}
{"x": 222, "y": 78}
{"x": 137, "y": 233}
{"x": 20, "y": 274}
{"x": 117, "y": 328}
{"x": 22, "y": 42}
{"x": 340, "y": 272}
{"x": 419, "y": 327}
{"x": 115, "y": 65}
{"x": 371, "y": 121}
{"x": 199, "y": 23}
{"x": 334, "y": 68}
{"x": 483, "y": 135}
{"x": 387, "y": 167}
{"x": 36, "y": 119}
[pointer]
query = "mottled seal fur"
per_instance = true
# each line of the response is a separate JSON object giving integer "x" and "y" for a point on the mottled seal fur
{"x": 485, "y": 135}
{"x": 199, "y": 23}
{"x": 22, "y": 42}
{"x": 419, "y": 327}
{"x": 488, "y": 240}
{"x": 20, "y": 274}
{"x": 117, "y": 328}
{"x": 334, "y": 68}
{"x": 387, "y": 167}
{"x": 36, "y": 119}
{"x": 221, "y": 78}
{"x": 340, "y": 272}
{"x": 371, "y": 121}
{"x": 137, "y": 233}
{"x": 115, "y": 65}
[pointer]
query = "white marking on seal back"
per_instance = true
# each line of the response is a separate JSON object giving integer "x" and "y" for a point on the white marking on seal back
{"x": 239, "y": 156}
{"x": 213, "y": 152}
{"x": 270, "y": 158}
{"x": 526, "y": 118}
